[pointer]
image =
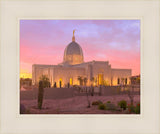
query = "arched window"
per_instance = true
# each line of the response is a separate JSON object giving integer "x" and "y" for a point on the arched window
{"x": 100, "y": 79}
{"x": 60, "y": 82}
{"x": 71, "y": 81}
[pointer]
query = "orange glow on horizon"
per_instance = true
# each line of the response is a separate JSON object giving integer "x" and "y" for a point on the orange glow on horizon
{"x": 25, "y": 74}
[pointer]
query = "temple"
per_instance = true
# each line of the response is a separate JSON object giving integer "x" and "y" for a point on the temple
{"x": 73, "y": 68}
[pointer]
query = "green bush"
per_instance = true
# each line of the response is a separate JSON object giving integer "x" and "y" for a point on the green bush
{"x": 110, "y": 106}
{"x": 131, "y": 109}
{"x": 122, "y": 104}
{"x": 97, "y": 102}
{"x": 137, "y": 108}
{"x": 134, "y": 109}
{"x": 108, "y": 101}
{"x": 102, "y": 107}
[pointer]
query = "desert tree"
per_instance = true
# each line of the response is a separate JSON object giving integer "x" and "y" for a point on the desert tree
{"x": 25, "y": 81}
{"x": 88, "y": 94}
{"x": 85, "y": 81}
{"x": 130, "y": 89}
{"x": 92, "y": 90}
{"x": 122, "y": 83}
{"x": 80, "y": 79}
{"x": 92, "y": 80}
{"x": 95, "y": 81}
{"x": 45, "y": 81}
{"x": 100, "y": 90}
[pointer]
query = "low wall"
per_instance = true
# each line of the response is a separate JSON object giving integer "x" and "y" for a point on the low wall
{"x": 49, "y": 93}
{"x": 115, "y": 90}
{"x": 110, "y": 90}
{"x": 61, "y": 93}
{"x": 28, "y": 95}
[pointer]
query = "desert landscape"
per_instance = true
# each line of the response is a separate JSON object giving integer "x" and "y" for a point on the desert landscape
{"x": 74, "y": 102}
{"x": 76, "y": 105}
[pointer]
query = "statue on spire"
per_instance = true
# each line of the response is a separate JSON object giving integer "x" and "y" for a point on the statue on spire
{"x": 74, "y": 32}
{"x": 73, "y": 38}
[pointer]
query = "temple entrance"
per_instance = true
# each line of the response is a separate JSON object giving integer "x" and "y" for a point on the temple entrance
{"x": 100, "y": 79}
{"x": 71, "y": 81}
{"x": 60, "y": 82}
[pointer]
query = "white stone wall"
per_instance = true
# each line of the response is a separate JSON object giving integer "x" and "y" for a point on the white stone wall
{"x": 65, "y": 73}
{"x": 121, "y": 73}
{"x": 93, "y": 68}
{"x": 102, "y": 68}
{"x": 88, "y": 69}
{"x": 38, "y": 71}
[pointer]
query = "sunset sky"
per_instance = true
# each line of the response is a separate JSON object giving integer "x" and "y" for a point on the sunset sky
{"x": 44, "y": 41}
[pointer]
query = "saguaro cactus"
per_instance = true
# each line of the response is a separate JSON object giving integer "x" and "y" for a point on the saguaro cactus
{"x": 40, "y": 94}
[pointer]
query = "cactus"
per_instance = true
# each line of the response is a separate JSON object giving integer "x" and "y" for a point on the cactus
{"x": 40, "y": 94}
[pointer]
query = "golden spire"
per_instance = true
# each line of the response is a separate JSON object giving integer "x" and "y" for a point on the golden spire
{"x": 73, "y": 38}
{"x": 74, "y": 32}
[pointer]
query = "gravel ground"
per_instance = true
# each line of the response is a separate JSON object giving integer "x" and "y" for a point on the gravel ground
{"x": 76, "y": 105}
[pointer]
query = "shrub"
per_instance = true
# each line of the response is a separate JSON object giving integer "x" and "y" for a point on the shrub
{"x": 97, "y": 102}
{"x": 102, "y": 107}
{"x": 122, "y": 104}
{"x": 75, "y": 86}
{"x": 110, "y": 106}
{"x": 108, "y": 101}
{"x": 134, "y": 109}
{"x": 131, "y": 108}
{"x": 137, "y": 108}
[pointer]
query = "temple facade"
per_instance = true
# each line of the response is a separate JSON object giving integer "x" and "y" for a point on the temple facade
{"x": 73, "y": 68}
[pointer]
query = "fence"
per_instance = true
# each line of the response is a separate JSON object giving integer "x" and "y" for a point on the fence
{"x": 49, "y": 93}
{"x": 61, "y": 93}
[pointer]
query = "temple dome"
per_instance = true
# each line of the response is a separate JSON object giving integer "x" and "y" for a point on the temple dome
{"x": 73, "y": 53}
{"x": 73, "y": 48}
